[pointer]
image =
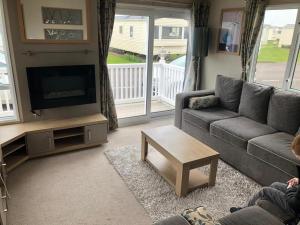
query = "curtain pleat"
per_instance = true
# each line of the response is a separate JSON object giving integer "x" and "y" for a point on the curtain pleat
{"x": 198, "y": 45}
{"x": 254, "y": 16}
{"x": 106, "y": 15}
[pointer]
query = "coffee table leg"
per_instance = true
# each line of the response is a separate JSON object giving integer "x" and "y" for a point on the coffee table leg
{"x": 182, "y": 181}
{"x": 144, "y": 148}
{"x": 213, "y": 172}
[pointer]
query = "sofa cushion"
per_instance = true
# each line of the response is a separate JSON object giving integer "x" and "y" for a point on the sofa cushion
{"x": 276, "y": 150}
{"x": 250, "y": 216}
{"x": 238, "y": 131}
{"x": 229, "y": 91}
{"x": 204, "y": 117}
{"x": 255, "y": 101}
{"x": 284, "y": 111}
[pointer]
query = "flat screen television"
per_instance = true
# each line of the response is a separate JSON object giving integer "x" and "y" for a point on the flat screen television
{"x": 58, "y": 86}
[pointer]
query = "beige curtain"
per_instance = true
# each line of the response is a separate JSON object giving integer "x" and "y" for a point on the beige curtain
{"x": 106, "y": 16}
{"x": 254, "y": 16}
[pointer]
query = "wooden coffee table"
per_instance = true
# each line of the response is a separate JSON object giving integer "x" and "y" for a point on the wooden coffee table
{"x": 176, "y": 157}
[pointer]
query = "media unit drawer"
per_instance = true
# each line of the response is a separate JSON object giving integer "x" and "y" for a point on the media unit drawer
{"x": 39, "y": 142}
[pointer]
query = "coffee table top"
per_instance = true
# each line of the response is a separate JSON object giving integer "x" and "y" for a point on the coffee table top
{"x": 179, "y": 146}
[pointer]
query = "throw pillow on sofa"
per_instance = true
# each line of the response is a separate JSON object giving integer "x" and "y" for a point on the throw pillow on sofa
{"x": 284, "y": 111}
{"x": 255, "y": 101}
{"x": 229, "y": 91}
{"x": 203, "y": 102}
{"x": 199, "y": 216}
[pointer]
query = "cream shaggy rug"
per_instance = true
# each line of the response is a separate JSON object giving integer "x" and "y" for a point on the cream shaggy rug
{"x": 158, "y": 197}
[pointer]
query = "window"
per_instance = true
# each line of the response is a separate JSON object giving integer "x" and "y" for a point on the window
{"x": 275, "y": 53}
{"x": 120, "y": 29}
{"x": 131, "y": 31}
{"x": 7, "y": 94}
{"x": 171, "y": 32}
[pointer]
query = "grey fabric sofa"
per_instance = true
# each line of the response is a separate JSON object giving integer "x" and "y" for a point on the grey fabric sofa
{"x": 265, "y": 213}
{"x": 253, "y": 133}
{"x": 254, "y": 215}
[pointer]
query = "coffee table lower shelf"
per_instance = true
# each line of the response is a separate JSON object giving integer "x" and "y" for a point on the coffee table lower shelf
{"x": 168, "y": 172}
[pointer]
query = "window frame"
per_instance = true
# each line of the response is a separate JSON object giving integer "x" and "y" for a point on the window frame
{"x": 10, "y": 69}
{"x": 290, "y": 66}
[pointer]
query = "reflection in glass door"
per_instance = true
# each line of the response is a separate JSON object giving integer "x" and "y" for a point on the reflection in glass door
{"x": 169, "y": 57}
{"x": 127, "y": 64}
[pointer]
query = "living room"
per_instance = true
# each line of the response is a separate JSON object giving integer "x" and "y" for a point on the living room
{"x": 165, "y": 112}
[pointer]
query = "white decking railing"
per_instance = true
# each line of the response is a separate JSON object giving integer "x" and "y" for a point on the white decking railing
{"x": 128, "y": 82}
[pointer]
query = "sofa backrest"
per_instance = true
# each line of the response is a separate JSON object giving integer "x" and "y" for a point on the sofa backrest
{"x": 229, "y": 91}
{"x": 284, "y": 111}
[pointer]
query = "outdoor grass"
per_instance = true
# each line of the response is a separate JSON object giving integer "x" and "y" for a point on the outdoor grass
{"x": 271, "y": 53}
{"x": 114, "y": 58}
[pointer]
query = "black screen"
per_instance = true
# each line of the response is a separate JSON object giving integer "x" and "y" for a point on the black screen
{"x": 58, "y": 86}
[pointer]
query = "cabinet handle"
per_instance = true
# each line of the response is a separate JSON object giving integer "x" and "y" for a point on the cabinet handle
{"x": 89, "y": 135}
{"x": 50, "y": 142}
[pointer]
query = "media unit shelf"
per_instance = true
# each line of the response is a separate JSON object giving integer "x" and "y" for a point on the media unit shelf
{"x": 15, "y": 153}
{"x": 64, "y": 143}
{"x": 66, "y": 133}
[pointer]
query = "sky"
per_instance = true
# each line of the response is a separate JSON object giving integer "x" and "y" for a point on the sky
{"x": 280, "y": 17}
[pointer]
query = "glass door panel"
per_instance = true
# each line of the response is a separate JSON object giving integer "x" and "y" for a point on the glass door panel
{"x": 169, "y": 56}
{"x": 275, "y": 46}
{"x": 127, "y": 64}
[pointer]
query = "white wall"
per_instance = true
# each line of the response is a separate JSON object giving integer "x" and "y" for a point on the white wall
{"x": 219, "y": 63}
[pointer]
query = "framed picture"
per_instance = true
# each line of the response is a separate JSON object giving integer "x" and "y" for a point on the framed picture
{"x": 230, "y": 31}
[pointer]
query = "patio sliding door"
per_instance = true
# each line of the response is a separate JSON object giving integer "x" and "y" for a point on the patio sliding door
{"x": 146, "y": 61}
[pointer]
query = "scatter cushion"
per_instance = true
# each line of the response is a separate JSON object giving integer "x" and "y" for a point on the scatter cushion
{"x": 204, "y": 117}
{"x": 284, "y": 111}
{"x": 276, "y": 150}
{"x": 203, "y": 102}
{"x": 239, "y": 130}
{"x": 255, "y": 101}
{"x": 199, "y": 216}
{"x": 229, "y": 91}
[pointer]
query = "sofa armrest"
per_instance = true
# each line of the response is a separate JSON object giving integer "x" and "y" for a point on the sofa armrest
{"x": 182, "y": 101}
{"x": 174, "y": 220}
{"x": 283, "y": 216}
{"x": 250, "y": 216}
